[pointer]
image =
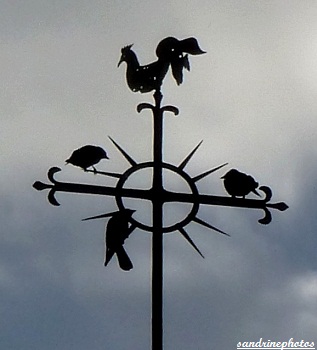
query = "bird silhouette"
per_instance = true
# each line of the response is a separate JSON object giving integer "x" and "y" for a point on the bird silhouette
{"x": 87, "y": 156}
{"x": 170, "y": 52}
{"x": 142, "y": 78}
{"x": 116, "y": 233}
{"x": 238, "y": 184}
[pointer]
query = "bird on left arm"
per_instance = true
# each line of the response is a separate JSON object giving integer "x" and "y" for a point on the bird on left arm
{"x": 87, "y": 156}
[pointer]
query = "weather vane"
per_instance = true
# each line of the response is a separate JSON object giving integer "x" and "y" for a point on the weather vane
{"x": 172, "y": 55}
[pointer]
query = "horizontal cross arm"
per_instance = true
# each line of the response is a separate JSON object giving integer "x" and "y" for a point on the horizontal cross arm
{"x": 57, "y": 186}
{"x": 91, "y": 189}
{"x": 213, "y": 200}
{"x": 230, "y": 202}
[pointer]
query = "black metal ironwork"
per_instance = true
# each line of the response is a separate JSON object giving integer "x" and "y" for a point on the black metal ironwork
{"x": 158, "y": 196}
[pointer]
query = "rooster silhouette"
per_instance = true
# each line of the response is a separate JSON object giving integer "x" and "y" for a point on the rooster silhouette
{"x": 170, "y": 52}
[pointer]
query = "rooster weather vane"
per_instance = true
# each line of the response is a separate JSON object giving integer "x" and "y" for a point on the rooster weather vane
{"x": 172, "y": 54}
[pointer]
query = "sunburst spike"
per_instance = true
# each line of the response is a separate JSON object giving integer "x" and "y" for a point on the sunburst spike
{"x": 187, "y": 159}
{"x": 125, "y": 154}
{"x": 203, "y": 223}
{"x": 190, "y": 241}
{"x": 99, "y": 216}
{"x": 201, "y": 176}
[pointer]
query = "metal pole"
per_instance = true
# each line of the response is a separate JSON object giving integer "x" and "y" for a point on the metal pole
{"x": 157, "y": 240}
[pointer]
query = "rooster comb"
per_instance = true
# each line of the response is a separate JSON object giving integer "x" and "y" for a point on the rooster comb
{"x": 126, "y": 48}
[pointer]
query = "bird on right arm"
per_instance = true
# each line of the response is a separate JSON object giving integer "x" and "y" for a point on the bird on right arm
{"x": 238, "y": 184}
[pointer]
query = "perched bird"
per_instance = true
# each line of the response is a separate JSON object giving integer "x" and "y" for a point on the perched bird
{"x": 170, "y": 52}
{"x": 116, "y": 233}
{"x": 87, "y": 156}
{"x": 238, "y": 184}
{"x": 142, "y": 78}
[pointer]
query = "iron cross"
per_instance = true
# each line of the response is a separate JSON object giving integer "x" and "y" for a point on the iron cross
{"x": 158, "y": 195}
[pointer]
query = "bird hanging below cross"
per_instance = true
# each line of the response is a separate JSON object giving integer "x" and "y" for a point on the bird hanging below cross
{"x": 117, "y": 232}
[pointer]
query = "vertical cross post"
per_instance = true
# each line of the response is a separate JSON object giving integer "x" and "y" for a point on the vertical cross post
{"x": 157, "y": 194}
{"x": 157, "y": 240}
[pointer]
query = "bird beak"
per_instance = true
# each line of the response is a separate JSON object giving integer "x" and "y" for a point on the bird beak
{"x": 121, "y": 60}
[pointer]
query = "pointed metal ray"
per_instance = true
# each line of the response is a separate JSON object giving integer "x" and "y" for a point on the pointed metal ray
{"x": 100, "y": 216}
{"x": 190, "y": 241}
{"x": 203, "y": 223}
{"x": 201, "y": 176}
{"x": 125, "y": 154}
{"x": 187, "y": 159}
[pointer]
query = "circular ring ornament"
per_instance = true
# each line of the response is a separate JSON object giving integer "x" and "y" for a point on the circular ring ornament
{"x": 191, "y": 215}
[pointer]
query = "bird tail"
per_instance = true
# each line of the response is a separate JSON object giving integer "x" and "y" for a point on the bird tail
{"x": 109, "y": 255}
{"x": 123, "y": 259}
{"x": 257, "y": 193}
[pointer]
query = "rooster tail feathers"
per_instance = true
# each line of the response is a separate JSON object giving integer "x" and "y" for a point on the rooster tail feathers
{"x": 191, "y": 46}
{"x": 177, "y": 71}
{"x": 177, "y": 68}
{"x": 186, "y": 64}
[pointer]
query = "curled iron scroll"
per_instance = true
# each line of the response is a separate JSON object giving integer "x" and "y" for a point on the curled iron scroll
{"x": 279, "y": 206}
{"x": 168, "y": 108}
{"x": 40, "y": 186}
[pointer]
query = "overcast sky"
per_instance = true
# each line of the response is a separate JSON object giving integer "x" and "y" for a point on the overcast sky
{"x": 251, "y": 98}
